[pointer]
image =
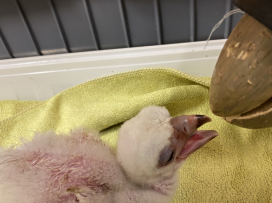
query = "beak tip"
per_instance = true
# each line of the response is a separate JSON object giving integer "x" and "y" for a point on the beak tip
{"x": 202, "y": 119}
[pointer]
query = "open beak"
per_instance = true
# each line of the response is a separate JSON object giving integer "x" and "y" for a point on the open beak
{"x": 186, "y": 136}
{"x": 241, "y": 85}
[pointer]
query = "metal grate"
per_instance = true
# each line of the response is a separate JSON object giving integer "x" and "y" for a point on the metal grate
{"x": 32, "y": 28}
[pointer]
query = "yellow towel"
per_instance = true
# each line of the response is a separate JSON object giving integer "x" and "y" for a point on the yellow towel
{"x": 234, "y": 167}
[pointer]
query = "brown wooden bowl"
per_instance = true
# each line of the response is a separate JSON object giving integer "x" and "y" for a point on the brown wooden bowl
{"x": 241, "y": 85}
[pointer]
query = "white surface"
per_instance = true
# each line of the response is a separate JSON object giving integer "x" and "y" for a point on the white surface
{"x": 39, "y": 78}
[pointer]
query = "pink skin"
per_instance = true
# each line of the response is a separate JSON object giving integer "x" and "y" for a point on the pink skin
{"x": 186, "y": 138}
{"x": 81, "y": 168}
{"x": 195, "y": 142}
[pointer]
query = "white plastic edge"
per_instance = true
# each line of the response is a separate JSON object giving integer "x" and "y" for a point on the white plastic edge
{"x": 40, "y": 78}
{"x": 110, "y": 54}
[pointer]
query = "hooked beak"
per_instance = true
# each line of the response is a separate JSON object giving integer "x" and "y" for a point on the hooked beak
{"x": 186, "y": 136}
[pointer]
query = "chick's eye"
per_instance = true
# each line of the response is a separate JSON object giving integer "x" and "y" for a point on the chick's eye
{"x": 166, "y": 156}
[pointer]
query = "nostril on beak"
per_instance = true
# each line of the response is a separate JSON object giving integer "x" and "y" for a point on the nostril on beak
{"x": 201, "y": 120}
{"x": 177, "y": 135}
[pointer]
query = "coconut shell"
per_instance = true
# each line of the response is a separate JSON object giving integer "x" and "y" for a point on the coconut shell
{"x": 242, "y": 79}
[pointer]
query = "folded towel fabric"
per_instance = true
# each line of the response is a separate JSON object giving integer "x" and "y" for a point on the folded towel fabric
{"x": 234, "y": 167}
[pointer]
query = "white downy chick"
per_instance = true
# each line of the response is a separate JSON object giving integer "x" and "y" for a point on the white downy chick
{"x": 79, "y": 168}
{"x": 153, "y": 146}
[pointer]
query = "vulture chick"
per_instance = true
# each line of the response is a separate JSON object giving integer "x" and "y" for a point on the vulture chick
{"x": 79, "y": 168}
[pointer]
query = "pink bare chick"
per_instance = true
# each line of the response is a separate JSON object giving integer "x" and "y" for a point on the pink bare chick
{"x": 79, "y": 168}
